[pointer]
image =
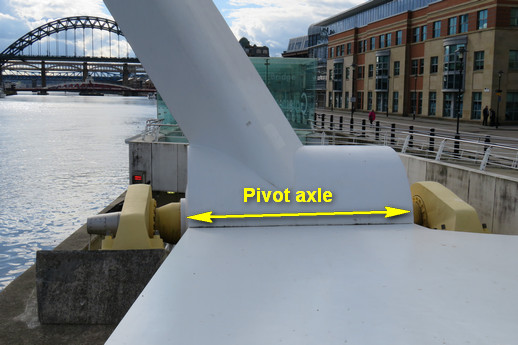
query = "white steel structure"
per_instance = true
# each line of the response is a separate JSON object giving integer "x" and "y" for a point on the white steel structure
{"x": 315, "y": 280}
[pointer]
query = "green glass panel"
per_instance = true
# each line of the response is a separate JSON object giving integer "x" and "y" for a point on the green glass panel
{"x": 292, "y": 84}
{"x": 290, "y": 81}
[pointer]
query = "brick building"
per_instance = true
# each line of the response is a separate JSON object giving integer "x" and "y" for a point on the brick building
{"x": 422, "y": 57}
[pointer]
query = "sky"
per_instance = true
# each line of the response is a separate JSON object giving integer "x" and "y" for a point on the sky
{"x": 263, "y": 22}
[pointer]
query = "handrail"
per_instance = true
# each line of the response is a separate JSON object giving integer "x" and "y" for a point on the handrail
{"x": 471, "y": 149}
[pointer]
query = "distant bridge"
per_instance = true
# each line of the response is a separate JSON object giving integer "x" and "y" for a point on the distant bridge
{"x": 91, "y": 87}
{"x": 73, "y": 47}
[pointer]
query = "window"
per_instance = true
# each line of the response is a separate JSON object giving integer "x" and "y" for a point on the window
{"x": 399, "y": 37}
{"x": 396, "y": 67}
{"x": 389, "y": 39}
{"x": 395, "y": 101}
{"x": 346, "y": 100}
{"x": 347, "y": 72}
{"x": 413, "y": 101}
{"x": 452, "y": 26}
{"x": 369, "y": 100}
{"x": 436, "y": 29}
{"x": 371, "y": 70}
{"x": 513, "y": 59}
{"x": 373, "y": 43}
{"x": 382, "y": 72}
{"x": 463, "y": 23}
{"x": 432, "y": 103}
{"x": 514, "y": 16}
{"x": 476, "y": 106}
{"x": 382, "y": 41}
{"x": 511, "y": 109}
{"x": 482, "y": 19}
{"x": 360, "y": 46}
{"x": 416, "y": 33}
{"x": 415, "y": 66}
{"x": 331, "y": 52}
{"x": 360, "y": 72}
{"x": 423, "y": 32}
{"x": 338, "y": 74}
{"x": 479, "y": 61}
{"x": 348, "y": 48}
{"x": 421, "y": 66}
{"x": 434, "y": 64}
{"x": 379, "y": 101}
{"x": 420, "y": 103}
{"x": 359, "y": 100}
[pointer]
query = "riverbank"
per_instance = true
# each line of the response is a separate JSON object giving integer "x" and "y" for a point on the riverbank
{"x": 19, "y": 324}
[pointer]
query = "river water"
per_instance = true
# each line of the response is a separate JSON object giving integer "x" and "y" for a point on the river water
{"x": 62, "y": 159}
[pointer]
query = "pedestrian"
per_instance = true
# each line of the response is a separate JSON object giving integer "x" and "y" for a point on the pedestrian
{"x": 372, "y": 116}
{"x": 485, "y": 112}
{"x": 492, "y": 119}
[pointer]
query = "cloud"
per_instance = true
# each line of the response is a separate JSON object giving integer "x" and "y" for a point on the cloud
{"x": 34, "y": 13}
{"x": 274, "y": 22}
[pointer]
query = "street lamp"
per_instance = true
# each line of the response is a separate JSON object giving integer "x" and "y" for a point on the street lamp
{"x": 332, "y": 93}
{"x": 353, "y": 97}
{"x": 499, "y": 94}
{"x": 415, "y": 94}
{"x": 267, "y": 63}
{"x": 460, "y": 55}
{"x": 388, "y": 88}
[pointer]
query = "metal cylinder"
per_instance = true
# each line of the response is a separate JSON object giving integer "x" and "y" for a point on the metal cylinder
{"x": 103, "y": 224}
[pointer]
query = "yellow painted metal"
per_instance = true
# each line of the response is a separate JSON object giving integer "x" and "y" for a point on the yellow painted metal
{"x": 437, "y": 207}
{"x": 168, "y": 222}
{"x": 136, "y": 224}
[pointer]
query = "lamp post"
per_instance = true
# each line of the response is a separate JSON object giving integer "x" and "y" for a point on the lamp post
{"x": 388, "y": 88}
{"x": 332, "y": 89}
{"x": 267, "y": 63}
{"x": 499, "y": 94}
{"x": 460, "y": 55}
{"x": 353, "y": 97}
{"x": 415, "y": 95}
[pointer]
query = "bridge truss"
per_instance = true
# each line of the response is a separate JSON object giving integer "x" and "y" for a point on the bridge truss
{"x": 72, "y": 47}
{"x": 79, "y": 36}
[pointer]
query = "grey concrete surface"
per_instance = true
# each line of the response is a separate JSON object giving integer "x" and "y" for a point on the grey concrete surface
{"x": 91, "y": 287}
{"x": 19, "y": 324}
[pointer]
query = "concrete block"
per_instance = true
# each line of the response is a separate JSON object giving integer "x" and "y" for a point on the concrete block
{"x": 91, "y": 287}
{"x": 415, "y": 168}
{"x": 454, "y": 178}
{"x": 506, "y": 206}
{"x": 481, "y": 196}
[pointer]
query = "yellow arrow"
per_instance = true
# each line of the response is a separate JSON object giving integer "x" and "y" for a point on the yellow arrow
{"x": 208, "y": 216}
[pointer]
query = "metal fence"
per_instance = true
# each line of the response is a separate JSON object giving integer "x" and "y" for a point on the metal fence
{"x": 470, "y": 149}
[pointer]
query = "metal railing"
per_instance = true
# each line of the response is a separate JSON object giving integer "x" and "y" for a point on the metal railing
{"x": 468, "y": 149}
{"x": 156, "y": 131}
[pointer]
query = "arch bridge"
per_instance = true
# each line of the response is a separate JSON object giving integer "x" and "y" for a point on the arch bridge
{"x": 72, "y": 47}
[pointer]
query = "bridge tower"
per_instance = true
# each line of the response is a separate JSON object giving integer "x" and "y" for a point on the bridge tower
{"x": 85, "y": 70}
{"x": 43, "y": 78}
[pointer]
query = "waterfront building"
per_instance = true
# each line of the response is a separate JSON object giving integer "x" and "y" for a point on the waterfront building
{"x": 297, "y": 47}
{"x": 254, "y": 50}
{"x": 420, "y": 58}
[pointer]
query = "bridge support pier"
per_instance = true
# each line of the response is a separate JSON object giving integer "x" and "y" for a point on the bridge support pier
{"x": 125, "y": 75}
{"x": 43, "y": 79}
{"x": 85, "y": 71}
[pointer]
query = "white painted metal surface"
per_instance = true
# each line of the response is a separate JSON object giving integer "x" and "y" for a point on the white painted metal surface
{"x": 208, "y": 82}
{"x": 341, "y": 280}
{"x": 368, "y": 285}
